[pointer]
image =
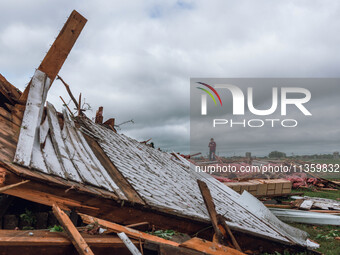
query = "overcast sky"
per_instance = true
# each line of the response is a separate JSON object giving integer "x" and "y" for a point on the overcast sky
{"x": 136, "y": 58}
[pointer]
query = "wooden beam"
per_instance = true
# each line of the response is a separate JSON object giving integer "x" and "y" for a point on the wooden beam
{"x": 46, "y": 198}
{"x": 218, "y": 222}
{"x": 209, "y": 247}
{"x": 209, "y": 203}
{"x": 60, "y": 49}
{"x": 132, "y": 248}
{"x": 46, "y": 238}
{"x": 221, "y": 221}
{"x": 4, "y": 188}
{"x": 128, "y": 231}
{"x": 118, "y": 178}
{"x": 77, "y": 240}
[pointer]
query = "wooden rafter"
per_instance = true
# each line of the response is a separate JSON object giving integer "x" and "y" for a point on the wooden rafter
{"x": 4, "y": 188}
{"x": 77, "y": 240}
{"x": 128, "y": 231}
{"x": 60, "y": 49}
{"x": 221, "y": 229}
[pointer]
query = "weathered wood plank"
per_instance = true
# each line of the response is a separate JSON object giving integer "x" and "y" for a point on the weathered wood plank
{"x": 43, "y": 132}
{"x": 46, "y": 198}
{"x": 59, "y": 146}
{"x": 83, "y": 155}
{"x": 77, "y": 240}
{"x": 32, "y": 118}
{"x": 60, "y": 49}
{"x": 128, "y": 231}
{"x": 132, "y": 248}
{"x": 209, "y": 203}
{"x": 47, "y": 238}
{"x": 51, "y": 160}
{"x": 209, "y": 247}
{"x": 71, "y": 142}
{"x": 4, "y": 188}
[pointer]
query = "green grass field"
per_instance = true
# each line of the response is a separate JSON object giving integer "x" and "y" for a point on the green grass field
{"x": 323, "y": 235}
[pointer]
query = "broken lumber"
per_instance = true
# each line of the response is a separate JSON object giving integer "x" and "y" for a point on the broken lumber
{"x": 209, "y": 203}
{"x": 221, "y": 221}
{"x": 217, "y": 220}
{"x": 69, "y": 91}
{"x": 132, "y": 248}
{"x": 60, "y": 49}
{"x": 209, "y": 247}
{"x": 2, "y": 189}
{"x": 99, "y": 115}
{"x": 77, "y": 240}
{"x": 128, "y": 231}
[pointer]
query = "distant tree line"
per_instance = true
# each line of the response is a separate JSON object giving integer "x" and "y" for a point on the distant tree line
{"x": 277, "y": 154}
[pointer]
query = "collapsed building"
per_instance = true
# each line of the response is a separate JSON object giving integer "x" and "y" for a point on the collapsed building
{"x": 69, "y": 162}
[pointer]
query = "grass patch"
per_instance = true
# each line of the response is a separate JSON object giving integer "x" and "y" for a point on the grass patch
{"x": 324, "y": 235}
{"x": 330, "y": 194}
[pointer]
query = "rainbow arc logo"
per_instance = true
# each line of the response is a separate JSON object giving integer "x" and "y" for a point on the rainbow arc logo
{"x": 209, "y": 93}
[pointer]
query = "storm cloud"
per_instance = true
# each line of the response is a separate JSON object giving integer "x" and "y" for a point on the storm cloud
{"x": 136, "y": 58}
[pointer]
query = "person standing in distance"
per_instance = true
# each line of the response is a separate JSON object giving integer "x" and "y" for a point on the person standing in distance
{"x": 212, "y": 149}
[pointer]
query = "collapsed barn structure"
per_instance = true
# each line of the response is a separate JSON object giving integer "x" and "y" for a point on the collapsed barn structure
{"x": 72, "y": 163}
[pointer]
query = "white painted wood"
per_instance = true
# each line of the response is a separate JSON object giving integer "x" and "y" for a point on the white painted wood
{"x": 32, "y": 117}
{"x": 83, "y": 155}
{"x": 59, "y": 146}
{"x": 37, "y": 161}
{"x": 306, "y": 204}
{"x": 73, "y": 147}
{"x": 126, "y": 240}
{"x": 51, "y": 160}
{"x": 43, "y": 131}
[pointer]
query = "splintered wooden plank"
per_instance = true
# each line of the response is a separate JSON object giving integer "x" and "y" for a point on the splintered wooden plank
{"x": 42, "y": 197}
{"x": 209, "y": 247}
{"x": 59, "y": 146}
{"x": 60, "y": 49}
{"x": 77, "y": 240}
{"x": 132, "y": 248}
{"x": 2, "y": 189}
{"x": 128, "y": 231}
{"x": 209, "y": 203}
{"x": 32, "y": 117}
